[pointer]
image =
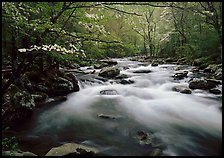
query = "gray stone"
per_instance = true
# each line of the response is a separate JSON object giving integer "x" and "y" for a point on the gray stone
{"x": 201, "y": 84}
{"x": 144, "y": 138}
{"x": 109, "y": 72}
{"x": 21, "y": 98}
{"x": 70, "y": 148}
{"x": 182, "y": 89}
{"x": 108, "y": 92}
{"x": 180, "y": 75}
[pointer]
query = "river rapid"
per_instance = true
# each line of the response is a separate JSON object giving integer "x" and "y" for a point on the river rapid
{"x": 176, "y": 123}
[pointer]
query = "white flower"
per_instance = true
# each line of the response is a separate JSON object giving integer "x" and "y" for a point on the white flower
{"x": 22, "y": 50}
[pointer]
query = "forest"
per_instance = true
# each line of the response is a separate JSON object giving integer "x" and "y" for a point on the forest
{"x": 56, "y": 54}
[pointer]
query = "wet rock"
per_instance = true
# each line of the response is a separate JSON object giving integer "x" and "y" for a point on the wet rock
{"x": 144, "y": 138}
{"x": 122, "y": 76}
{"x": 125, "y": 68}
{"x": 200, "y": 62}
{"x": 180, "y": 75}
{"x": 216, "y": 82}
{"x": 142, "y": 71}
{"x": 105, "y": 116}
{"x": 215, "y": 91}
{"x": 21, "y": 98}
{"x": 143, "y": 64}
{"x": 39, "y": 97}
{"x": 17, "y": 153}
{"x": 218, "y": 74}
{"x": 108, "y": 92}
{"x": 100, "y": 66}
{"x": 57, "y": 99}
{"x": 126, "y": 82}
{"x": 154, "y": 63}
{"x": 182, "y": 89}
{"x": 62, "y": 86}
{"x": 201, "y": 84}
{"x": 109, "y": 72}
{"x": 70, "y": 149}
{"x": 195, "y": 69}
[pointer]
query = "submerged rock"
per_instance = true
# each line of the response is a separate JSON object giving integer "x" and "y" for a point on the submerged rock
{"x": 105, "y": 116}
{"x": 72, "y": 149}
{"x": 126, "y": 81}
{"x": 144, "y": 138}
{"x": 108, "y": 92}
{"x": 109, "y": 72}
{"x": 142, "y": 71}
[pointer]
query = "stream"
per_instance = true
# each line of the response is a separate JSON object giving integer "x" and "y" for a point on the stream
{"x": 176, "y": 123}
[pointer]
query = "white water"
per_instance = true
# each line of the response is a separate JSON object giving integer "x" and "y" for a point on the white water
{"x": 177, "y": 119}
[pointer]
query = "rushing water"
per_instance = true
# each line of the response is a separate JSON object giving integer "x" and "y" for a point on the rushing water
{"x": 179, "y": 124}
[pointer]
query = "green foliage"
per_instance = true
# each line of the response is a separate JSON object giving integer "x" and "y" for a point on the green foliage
{"x": 91, "y": 30}
{"x": 9, "y": 144}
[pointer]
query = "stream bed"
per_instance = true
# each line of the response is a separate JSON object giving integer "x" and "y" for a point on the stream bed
{"x": 176, "y": 123}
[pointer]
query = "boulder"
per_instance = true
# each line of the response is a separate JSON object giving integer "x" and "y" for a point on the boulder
{"x": 71, "y": 77}
{"x": 109, "y": 62}
{"x": 72, "y": 149}
{"x": 142, "y": 71}
{"x": 109, "y": 72}
{"x": 122, "y": 76}
{"x": 215, "y": 91}
{"x": 63, "y": 86}
{"x": 100, "y": 66}
{"x": 218, "y": 74}
{"x": 216, "y": 82}
{"x": 21, "y": 98}
{"x": 201, "y": 84}
{"x": 182, "y": 89}
{"x": 17, "y": 153}
{"x": 180, "y": 75}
